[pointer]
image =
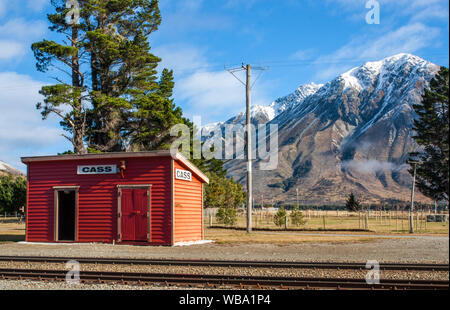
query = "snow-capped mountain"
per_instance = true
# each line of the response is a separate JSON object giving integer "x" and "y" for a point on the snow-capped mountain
{"x": 263, "y": 114}
{"x": 352, "y": 134}
{"x": 296, "y": 98}
{"x": 7, "y": 169}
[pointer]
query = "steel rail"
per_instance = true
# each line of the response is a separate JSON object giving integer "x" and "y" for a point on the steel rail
{"x": 260, "y": 282}
{"x": 228, "y": 263}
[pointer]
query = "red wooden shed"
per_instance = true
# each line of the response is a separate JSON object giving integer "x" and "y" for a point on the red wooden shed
{"x": 149, "y": 198}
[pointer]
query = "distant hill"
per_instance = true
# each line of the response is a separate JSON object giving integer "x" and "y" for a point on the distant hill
{"x": 7, "y": 169}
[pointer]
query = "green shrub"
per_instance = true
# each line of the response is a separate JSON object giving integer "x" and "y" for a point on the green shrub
{"x": 297, "y": 218}
{"x": 227, "y": 216}
{"x": 279, "y": 217}
{"x": 352, "y": 204}
{"x": 13, "y": 193}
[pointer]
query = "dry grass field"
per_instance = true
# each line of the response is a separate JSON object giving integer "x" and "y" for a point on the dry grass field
{"x": 10, "y": 230}
{"x": 345, "y": 222}
{"x": 231, "y": 236}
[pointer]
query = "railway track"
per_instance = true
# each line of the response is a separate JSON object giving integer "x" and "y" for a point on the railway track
{"x": 223, "y": 263}
{"x": 218, "y": 281}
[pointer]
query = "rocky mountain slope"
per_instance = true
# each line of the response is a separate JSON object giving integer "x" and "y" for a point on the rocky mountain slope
{"x": 351, "y": 135}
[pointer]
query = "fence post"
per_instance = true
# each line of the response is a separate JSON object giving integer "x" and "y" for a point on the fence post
{"x": 396, "y": 221}
{"x": 417, "y": 220}
{"x": 425, "y": 219}
{"x": 421, "y": 219}
{"x": 367, "y": 221}
{"x": 285, "y": 222}
{"x": 401, "y": 219}
{"x": 324, "y": 222}
{"x": 210, "y": 220}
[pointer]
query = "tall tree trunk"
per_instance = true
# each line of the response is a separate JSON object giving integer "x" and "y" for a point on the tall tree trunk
{"x": 79, "y": 124}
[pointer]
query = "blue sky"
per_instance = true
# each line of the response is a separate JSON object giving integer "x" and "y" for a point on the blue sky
{"x": 300, "y": 41}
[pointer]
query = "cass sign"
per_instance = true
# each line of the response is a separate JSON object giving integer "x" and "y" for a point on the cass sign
{"x": 103, "y": 169}
{"x": 183, "y": 175}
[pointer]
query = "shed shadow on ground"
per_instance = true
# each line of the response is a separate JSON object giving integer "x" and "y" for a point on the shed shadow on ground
{"x": 12, "y": 238}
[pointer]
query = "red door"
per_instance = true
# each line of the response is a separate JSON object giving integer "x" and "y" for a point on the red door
{"x": 134, "y": 214}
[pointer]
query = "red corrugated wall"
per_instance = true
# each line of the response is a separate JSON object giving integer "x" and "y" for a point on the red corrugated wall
{"x": 188, "y": 224}
{"x": 97, "y": 205}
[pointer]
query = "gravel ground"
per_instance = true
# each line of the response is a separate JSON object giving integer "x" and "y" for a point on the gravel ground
{"x": 275, "y": 272}
{"x": 36, "y": 285}
{"x": 425, "y": 250}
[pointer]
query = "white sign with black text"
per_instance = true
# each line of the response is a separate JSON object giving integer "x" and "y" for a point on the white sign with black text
{"x": 101, "y": 169}
{"x": 183, "y": 175}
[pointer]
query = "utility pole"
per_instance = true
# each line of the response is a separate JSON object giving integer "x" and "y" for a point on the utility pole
{"x": 297, "y": 197}
{"x": 411, "y": 209}
{"x": 248, "y": 87}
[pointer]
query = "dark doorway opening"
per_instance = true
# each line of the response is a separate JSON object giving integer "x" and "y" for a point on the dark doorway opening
{"x": 66, "y": 215}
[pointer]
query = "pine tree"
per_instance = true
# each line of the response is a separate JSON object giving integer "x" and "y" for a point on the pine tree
{"x": 65, "y": 98}
{"x": 155, "y": 115}
{"x": 297, "y": 218}
{"x": 223, "y": 192}
{"x": 352, "y": 203}
{"x": 113, "y": 72}
{"x": 432, "y": 133}
{"x": 123, "y": 69}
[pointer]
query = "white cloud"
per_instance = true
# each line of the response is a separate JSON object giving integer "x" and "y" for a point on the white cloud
{"x": 21, "y": 29}
{"x": 203, "y": 88}
{"x": 372, "y": 165}
{"x": 303, "y": 54}
{"x": 181, "y": 58}
{"x": 22, "y": 131}
{"x": 10, "y": 49}
{"x": 16, "y": 36}
{"x": 217, "y": 95}
{"x": 37, "y": 5}
{"x": 2, "y": 7}
{"x": 239, "y": 4}
{"x": 407, "y": 39}
{"x": 20, "y": 5}
{"x": 416, "y": 10}
{"x": 182, "y": 16}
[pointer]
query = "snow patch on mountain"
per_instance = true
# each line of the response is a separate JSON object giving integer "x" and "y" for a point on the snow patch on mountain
{"x": 296, "y": 98}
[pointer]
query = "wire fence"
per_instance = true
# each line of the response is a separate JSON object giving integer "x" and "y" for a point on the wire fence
{"x": 6, "y": 217}
{"x": 391, "y": 221}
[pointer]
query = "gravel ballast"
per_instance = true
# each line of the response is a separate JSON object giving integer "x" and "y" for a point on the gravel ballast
{"x": 37, "y": 285}
{"x": 406, "y": 250}
{"x": 271, "y": 272}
